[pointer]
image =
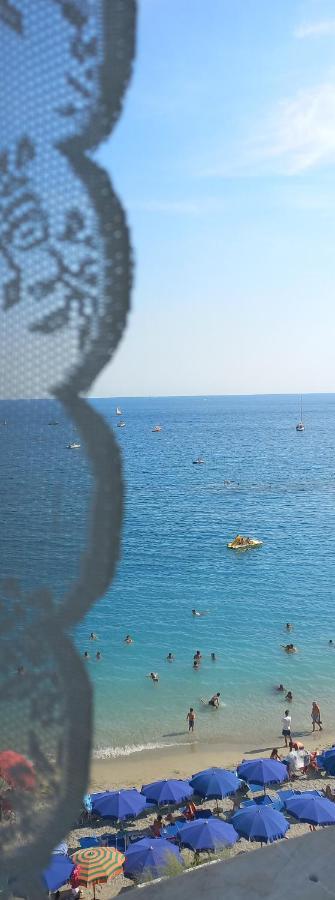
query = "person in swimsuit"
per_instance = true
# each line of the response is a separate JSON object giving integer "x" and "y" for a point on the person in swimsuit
{"x": 154, "y": 676}
{"x": 128, "y": 639}
{"x": 215, "y": 700}
{"x": 98, "y": 655}
{"x": 316, "y": 716}
{"x": 93, "y": 637}
{"x": 289, "y": 696}
{"x": 190, "y": 718}
{"x": 213, "y": 657}
{"x": 280, "y": 688}
{"x": 170, "y": 657}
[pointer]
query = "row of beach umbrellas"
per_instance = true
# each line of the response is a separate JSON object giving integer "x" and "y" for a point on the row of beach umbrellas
{"x": 256, "y": 822}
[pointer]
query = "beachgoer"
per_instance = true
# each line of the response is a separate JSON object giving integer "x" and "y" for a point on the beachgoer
{"x": 316, "y": 716}
{"x": 330, "y": 642}
{"x": 286, "y": 723}
{"x": 215, "y": 700}
{"x": 170, "y": 657}
{"x": 197, "y": 655}
{"x": 289, "y": 696}
{"x": 197, "y": 613}
{"x": 157, "y": 826}
{"x": 329, "y": 793}
{"x": 128, "y": 639}
{"x": 275, "y": 754}
{"x": 289, "y": 626}
{"x": 196, "y": 663}
{"x": 93, "y": 637}
{"x": 213, "y": 657}
{"x": 86, "y": 655}
{"x": 289, "y": 648}
{"x": 98, "y": 655}
{"x": 190, "y": 718}
{"x": 154, "y": 676}
{"x": 21, "y": 670}
{"x": 190, "y": 810}
{"x": 280, "y": 687}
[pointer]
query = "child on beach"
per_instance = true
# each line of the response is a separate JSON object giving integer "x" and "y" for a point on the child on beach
{"x": 191, "y": 719}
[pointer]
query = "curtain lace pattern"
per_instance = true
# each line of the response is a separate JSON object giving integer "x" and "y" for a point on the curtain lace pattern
{"x": 65, "y": 282}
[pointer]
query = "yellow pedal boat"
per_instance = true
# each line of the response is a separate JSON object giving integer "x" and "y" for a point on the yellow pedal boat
{"x": 244, "y": 543}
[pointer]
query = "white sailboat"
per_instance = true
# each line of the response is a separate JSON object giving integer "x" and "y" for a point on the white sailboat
{"x": 118, "y": 411}
{"x": 300, "y": 426}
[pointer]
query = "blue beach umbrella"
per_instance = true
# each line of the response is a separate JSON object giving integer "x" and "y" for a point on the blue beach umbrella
{"x": 215, "y": 783}
{"x": 118, "y": 804}
{"x": 207, "y": 834}
{"x": 327, "y": 761}
{"x": 170, "y": 791}
{"x": 260, "y": 823}
{"x": 150, "y": 853}
{"x": 59, "y": 871}
{"x": 262, "y": 771}
{"x": 312, "y": 809}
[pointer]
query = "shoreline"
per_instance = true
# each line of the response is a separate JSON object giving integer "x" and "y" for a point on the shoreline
{"x": 181, "y": 761}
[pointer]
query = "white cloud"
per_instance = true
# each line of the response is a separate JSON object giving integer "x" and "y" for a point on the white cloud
{"x": 301, "y": 134}
{"x": 316, "y": 29}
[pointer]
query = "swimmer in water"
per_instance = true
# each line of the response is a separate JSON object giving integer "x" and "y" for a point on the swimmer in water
{"x": 170, "y": 657}
{"x": 196, "y": 663}
{"x": 197, "y": 655}
{"x": 86, "y": 655}
{"x": 280, "y": 688}
{"x": 330, "y": 643}
{"x": 289, "y": 648}
{"x": 154, "y": 676}
{"x": 215, "y": 700}
{"x": 288, "y": 626}
{"x": 197, "y": 613}
{"x": 93, "y": 637}
{"x": 128, "y": 639}
{"x": 213, "y": 657}
{"x": 98, "y": 655}
{"x": 289, "y": 696}
{"x": 21, "y": 670}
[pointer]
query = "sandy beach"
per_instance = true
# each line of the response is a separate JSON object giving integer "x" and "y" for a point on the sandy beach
{"x": 182, "y": 761}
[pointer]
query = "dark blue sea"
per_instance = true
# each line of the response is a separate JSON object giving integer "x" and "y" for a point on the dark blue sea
{"x": 260, "y": 478}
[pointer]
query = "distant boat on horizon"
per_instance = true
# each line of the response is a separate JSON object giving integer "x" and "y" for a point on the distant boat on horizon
{"x": 198, "y": 462}
{"x": 300, "y": 426}
{"x": 73, "y": 446}
{"x": 121, "y": 424}
{"x": 118, "y": 411}
{"x": 157, "y": 428}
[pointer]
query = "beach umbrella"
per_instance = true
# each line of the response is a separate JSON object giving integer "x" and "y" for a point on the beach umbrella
{"x": 207, "y": 834}
{"x": 97, "y": 864}
{"x": 151, "y": 854}
{"x": 311, "y": 808}
{"x": 260, "y": 823}
{"x": 327, "y": 762}
{"x": 118, "y": 804}
{"x": 58, "y": 872}
{"x": 170, "y": 791}
{"x": 215, "y": 783}
{"x": 262, "y": 771}
{"x": 61, "y": 848}
{"x": 17, "y": 770}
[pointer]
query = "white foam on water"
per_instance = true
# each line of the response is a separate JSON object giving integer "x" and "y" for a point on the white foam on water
{"x": 129, "y": 749}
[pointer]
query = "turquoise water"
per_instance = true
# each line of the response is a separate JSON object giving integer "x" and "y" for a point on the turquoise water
{"x": 178, "y": 520}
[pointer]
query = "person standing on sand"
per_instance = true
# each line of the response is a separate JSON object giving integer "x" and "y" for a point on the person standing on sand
{"x": 316, "y": 716}
{"x": 286, "y": 722}
{"x": 190, "y": 718}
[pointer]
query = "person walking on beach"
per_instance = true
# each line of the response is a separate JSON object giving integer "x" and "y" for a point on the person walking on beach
{"x": 191, "y": 719}
{"x": 316, "y": 716}
{"x": 286, "y": 722}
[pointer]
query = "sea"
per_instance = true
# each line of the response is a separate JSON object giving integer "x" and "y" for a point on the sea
{"x": 260, "y": 478}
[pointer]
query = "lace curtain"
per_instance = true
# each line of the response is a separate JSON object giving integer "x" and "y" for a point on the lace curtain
{"x": 66, "y": 271}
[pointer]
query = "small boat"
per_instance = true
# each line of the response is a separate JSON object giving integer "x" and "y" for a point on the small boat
{"x": 157, "y": 428}
{"x": 4, "y": 422}
{"x": 121, "y": 424}
{"x": 300, "y": 426}
{"x": 73, "y": 446}
{"x": 244, "y": 543}
{"x": 52, "y": 423}
{"x": 199, "y": 461}
{"x": 118, "y": 411}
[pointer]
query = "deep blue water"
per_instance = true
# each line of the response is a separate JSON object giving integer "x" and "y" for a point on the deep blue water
{"x": 178, "y": 520}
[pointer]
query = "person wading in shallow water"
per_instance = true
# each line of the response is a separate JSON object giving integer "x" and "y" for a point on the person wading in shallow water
{"x": 316, "y": 716}
{"x": 191, "y": 719}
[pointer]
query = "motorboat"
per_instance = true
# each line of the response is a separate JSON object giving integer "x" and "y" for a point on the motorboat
{"x": 157, "y": 428}
{"x": 52, "y": 423}
{"x": 121, "y": 424}
{"x": 244, "y": 543}
{"x": 199, "y": 461}
{"x": 300, "y": 426}
{"x": 73, "y": 446}
{"x": 118, "y": 411}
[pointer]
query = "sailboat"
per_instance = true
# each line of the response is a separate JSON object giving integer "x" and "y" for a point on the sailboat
{"x": 118, "y": 411}
{"x": 300, "y": 426}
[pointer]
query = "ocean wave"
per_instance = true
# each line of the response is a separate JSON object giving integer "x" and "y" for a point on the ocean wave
{"x": 129, "y": 749}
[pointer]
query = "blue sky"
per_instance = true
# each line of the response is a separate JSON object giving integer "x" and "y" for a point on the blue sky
{"x": 224, "y": 159}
